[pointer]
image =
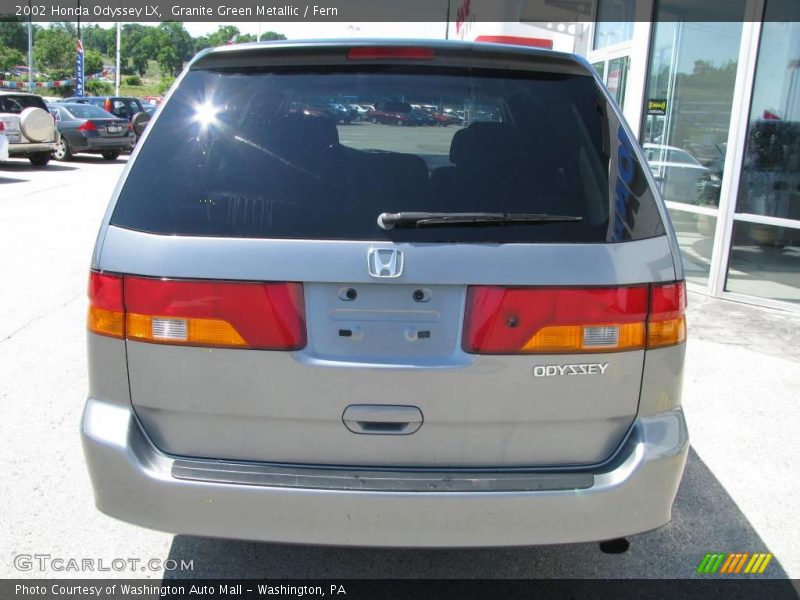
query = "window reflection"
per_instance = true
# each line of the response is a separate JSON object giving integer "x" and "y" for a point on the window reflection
{"x": 688, "y": 103}
{"x": 770, "y": 183}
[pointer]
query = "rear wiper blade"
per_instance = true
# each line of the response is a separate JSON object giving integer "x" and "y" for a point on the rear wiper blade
{"x": 389, "y": 220}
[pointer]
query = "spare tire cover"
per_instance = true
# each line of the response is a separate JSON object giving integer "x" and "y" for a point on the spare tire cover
{"x": 36, "y": 124}
{"x": 139, "y": 122}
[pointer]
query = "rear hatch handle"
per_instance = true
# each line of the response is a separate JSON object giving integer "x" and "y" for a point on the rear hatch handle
{"x": 382, "y": 419}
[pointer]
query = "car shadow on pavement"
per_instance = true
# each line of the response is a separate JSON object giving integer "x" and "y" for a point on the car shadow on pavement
{"x": 705, "y": 519}
{"x": 26, "y": 167}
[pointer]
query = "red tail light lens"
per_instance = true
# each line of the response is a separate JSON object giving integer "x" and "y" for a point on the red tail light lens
{"x": 264, "y": 316}
{"x": 568, "y": 320}
{"x": 390, "y": 52}
{"x": 87, "y": 126}
{"x": 666, "y": 325}
{"x": 106, "y": 310}
{"x": 538, "y": 320}
{"x": 130, "y": 126}
{"x": 2, "y": 126}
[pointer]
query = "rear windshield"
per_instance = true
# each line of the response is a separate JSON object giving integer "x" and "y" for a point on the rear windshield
{"x": 87, "y": 111}
{"x": 16, "y": 104}
{"x": 320, "y": 155}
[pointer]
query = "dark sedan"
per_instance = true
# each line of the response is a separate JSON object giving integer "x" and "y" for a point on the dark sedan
{"x": 90, "y": 129}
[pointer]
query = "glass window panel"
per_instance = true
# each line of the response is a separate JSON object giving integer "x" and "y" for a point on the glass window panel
{"x": 765, "y": 262}
{"x": 617, "y": 78}
{"x": 600, "y": 67}
{"x": 770, "y": 182}
{"x": 693, "y": 68}
{"x": 696, "y": 239}
{"x": 614, "y": 23}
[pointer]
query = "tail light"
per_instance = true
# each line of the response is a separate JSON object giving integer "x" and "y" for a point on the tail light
{"x": 2, "y": 126}
{"x": 87, "y": 126}
{"x": 390, "y": 52}
{"x": 130, "y": 126}
{"x": 106, "y": 310}
{"x": 573, "y": 320}
{"x": 666, "y": 325}
{"x": 265, "y": 316}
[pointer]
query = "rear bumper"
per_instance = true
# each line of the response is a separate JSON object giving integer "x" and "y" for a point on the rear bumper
{"x": 28, "y": 149}
{"x": 135, "y": 482}
{"x": 100, "y": 144}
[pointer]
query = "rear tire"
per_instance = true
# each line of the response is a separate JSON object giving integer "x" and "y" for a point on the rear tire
{"x": 62, "y": 151}
{"x": 40, "y": 159}
{"x": 110, "y": 154}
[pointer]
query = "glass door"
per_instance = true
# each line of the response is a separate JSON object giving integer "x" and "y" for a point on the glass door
{"x": 687, "y": 115}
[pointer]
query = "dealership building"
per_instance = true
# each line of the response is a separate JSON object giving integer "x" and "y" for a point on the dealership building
{"x": 713, "y": 91}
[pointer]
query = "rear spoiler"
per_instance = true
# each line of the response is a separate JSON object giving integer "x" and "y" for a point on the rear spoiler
{"x": 445, "y": 54}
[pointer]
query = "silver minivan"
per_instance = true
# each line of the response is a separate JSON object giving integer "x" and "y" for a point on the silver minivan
{"x": 410, "y": 332}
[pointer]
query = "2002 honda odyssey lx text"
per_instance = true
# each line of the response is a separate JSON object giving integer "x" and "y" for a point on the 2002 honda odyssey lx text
{"x": 429, "y": 332}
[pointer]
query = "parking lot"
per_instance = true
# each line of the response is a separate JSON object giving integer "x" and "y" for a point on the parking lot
{"x": 740, "y": 491}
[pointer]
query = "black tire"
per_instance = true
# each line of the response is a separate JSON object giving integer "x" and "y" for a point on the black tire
{"x": 110, "y": 154}
{"x": 62, "y": 151}
{"x": 40, "y": 159}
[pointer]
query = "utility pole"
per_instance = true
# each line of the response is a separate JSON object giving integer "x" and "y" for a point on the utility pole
{"x": 117, "y": 69}
{"x": 447, "y": 22}
{"x": 30, "y": 46}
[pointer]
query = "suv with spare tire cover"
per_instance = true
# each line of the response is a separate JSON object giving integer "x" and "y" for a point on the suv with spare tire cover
{"x": 29, "y": 127}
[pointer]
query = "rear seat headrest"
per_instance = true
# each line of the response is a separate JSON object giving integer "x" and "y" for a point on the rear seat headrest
{"x": 300, "y": 133}
{"x": 481, "y": 142}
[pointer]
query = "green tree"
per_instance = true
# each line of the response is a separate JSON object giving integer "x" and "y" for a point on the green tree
{"x": 174, "y": 46}
{"x": 166, "y": 83}
{"x": 96, "y": 38}
{"x": 13, "y": 34}
{"x": 95, "y": 87}
{"x": 223, "y": 35}
{"x": 92, "y": 62}
{"x": 10, "y": 57}
{"x": 270, "y": 36}
{"x": 54, "y": 51}
{"x": 243, "y": 38}
{"x": 201, "y": 43}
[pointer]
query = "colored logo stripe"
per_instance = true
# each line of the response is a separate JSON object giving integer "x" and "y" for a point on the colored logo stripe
{"x": 735, "y": 562}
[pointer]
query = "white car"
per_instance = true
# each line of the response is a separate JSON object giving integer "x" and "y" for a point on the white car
{"x": 678, "y": 173}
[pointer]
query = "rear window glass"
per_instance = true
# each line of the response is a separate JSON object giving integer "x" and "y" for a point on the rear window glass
{"x": 87, "y": 111}
{"x": 320, "y": 155}
{"x": 16, "y": 104}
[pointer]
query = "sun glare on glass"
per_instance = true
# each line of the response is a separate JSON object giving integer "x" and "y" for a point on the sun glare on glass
{"x": 205, "y": 113}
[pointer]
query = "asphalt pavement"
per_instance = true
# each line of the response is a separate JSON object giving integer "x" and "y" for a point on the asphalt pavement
{"x": 740, "y": 492}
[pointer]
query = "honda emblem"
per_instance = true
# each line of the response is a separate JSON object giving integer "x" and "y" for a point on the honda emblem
{"x": 385, "y": 262}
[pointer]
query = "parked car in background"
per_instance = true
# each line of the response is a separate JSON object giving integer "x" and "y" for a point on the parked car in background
{"x": 85, "y": 128}
{"x": 680, "y": 175}
{"x": 125, "y": 107}
{"x": 393, "y": 113}
{"x": 149, "y": 108}
{"x": 28, "y": 126}
{"x": 432, "y": 337}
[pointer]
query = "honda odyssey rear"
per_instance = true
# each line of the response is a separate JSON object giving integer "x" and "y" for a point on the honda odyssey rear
{"x": 429, "y": 332}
